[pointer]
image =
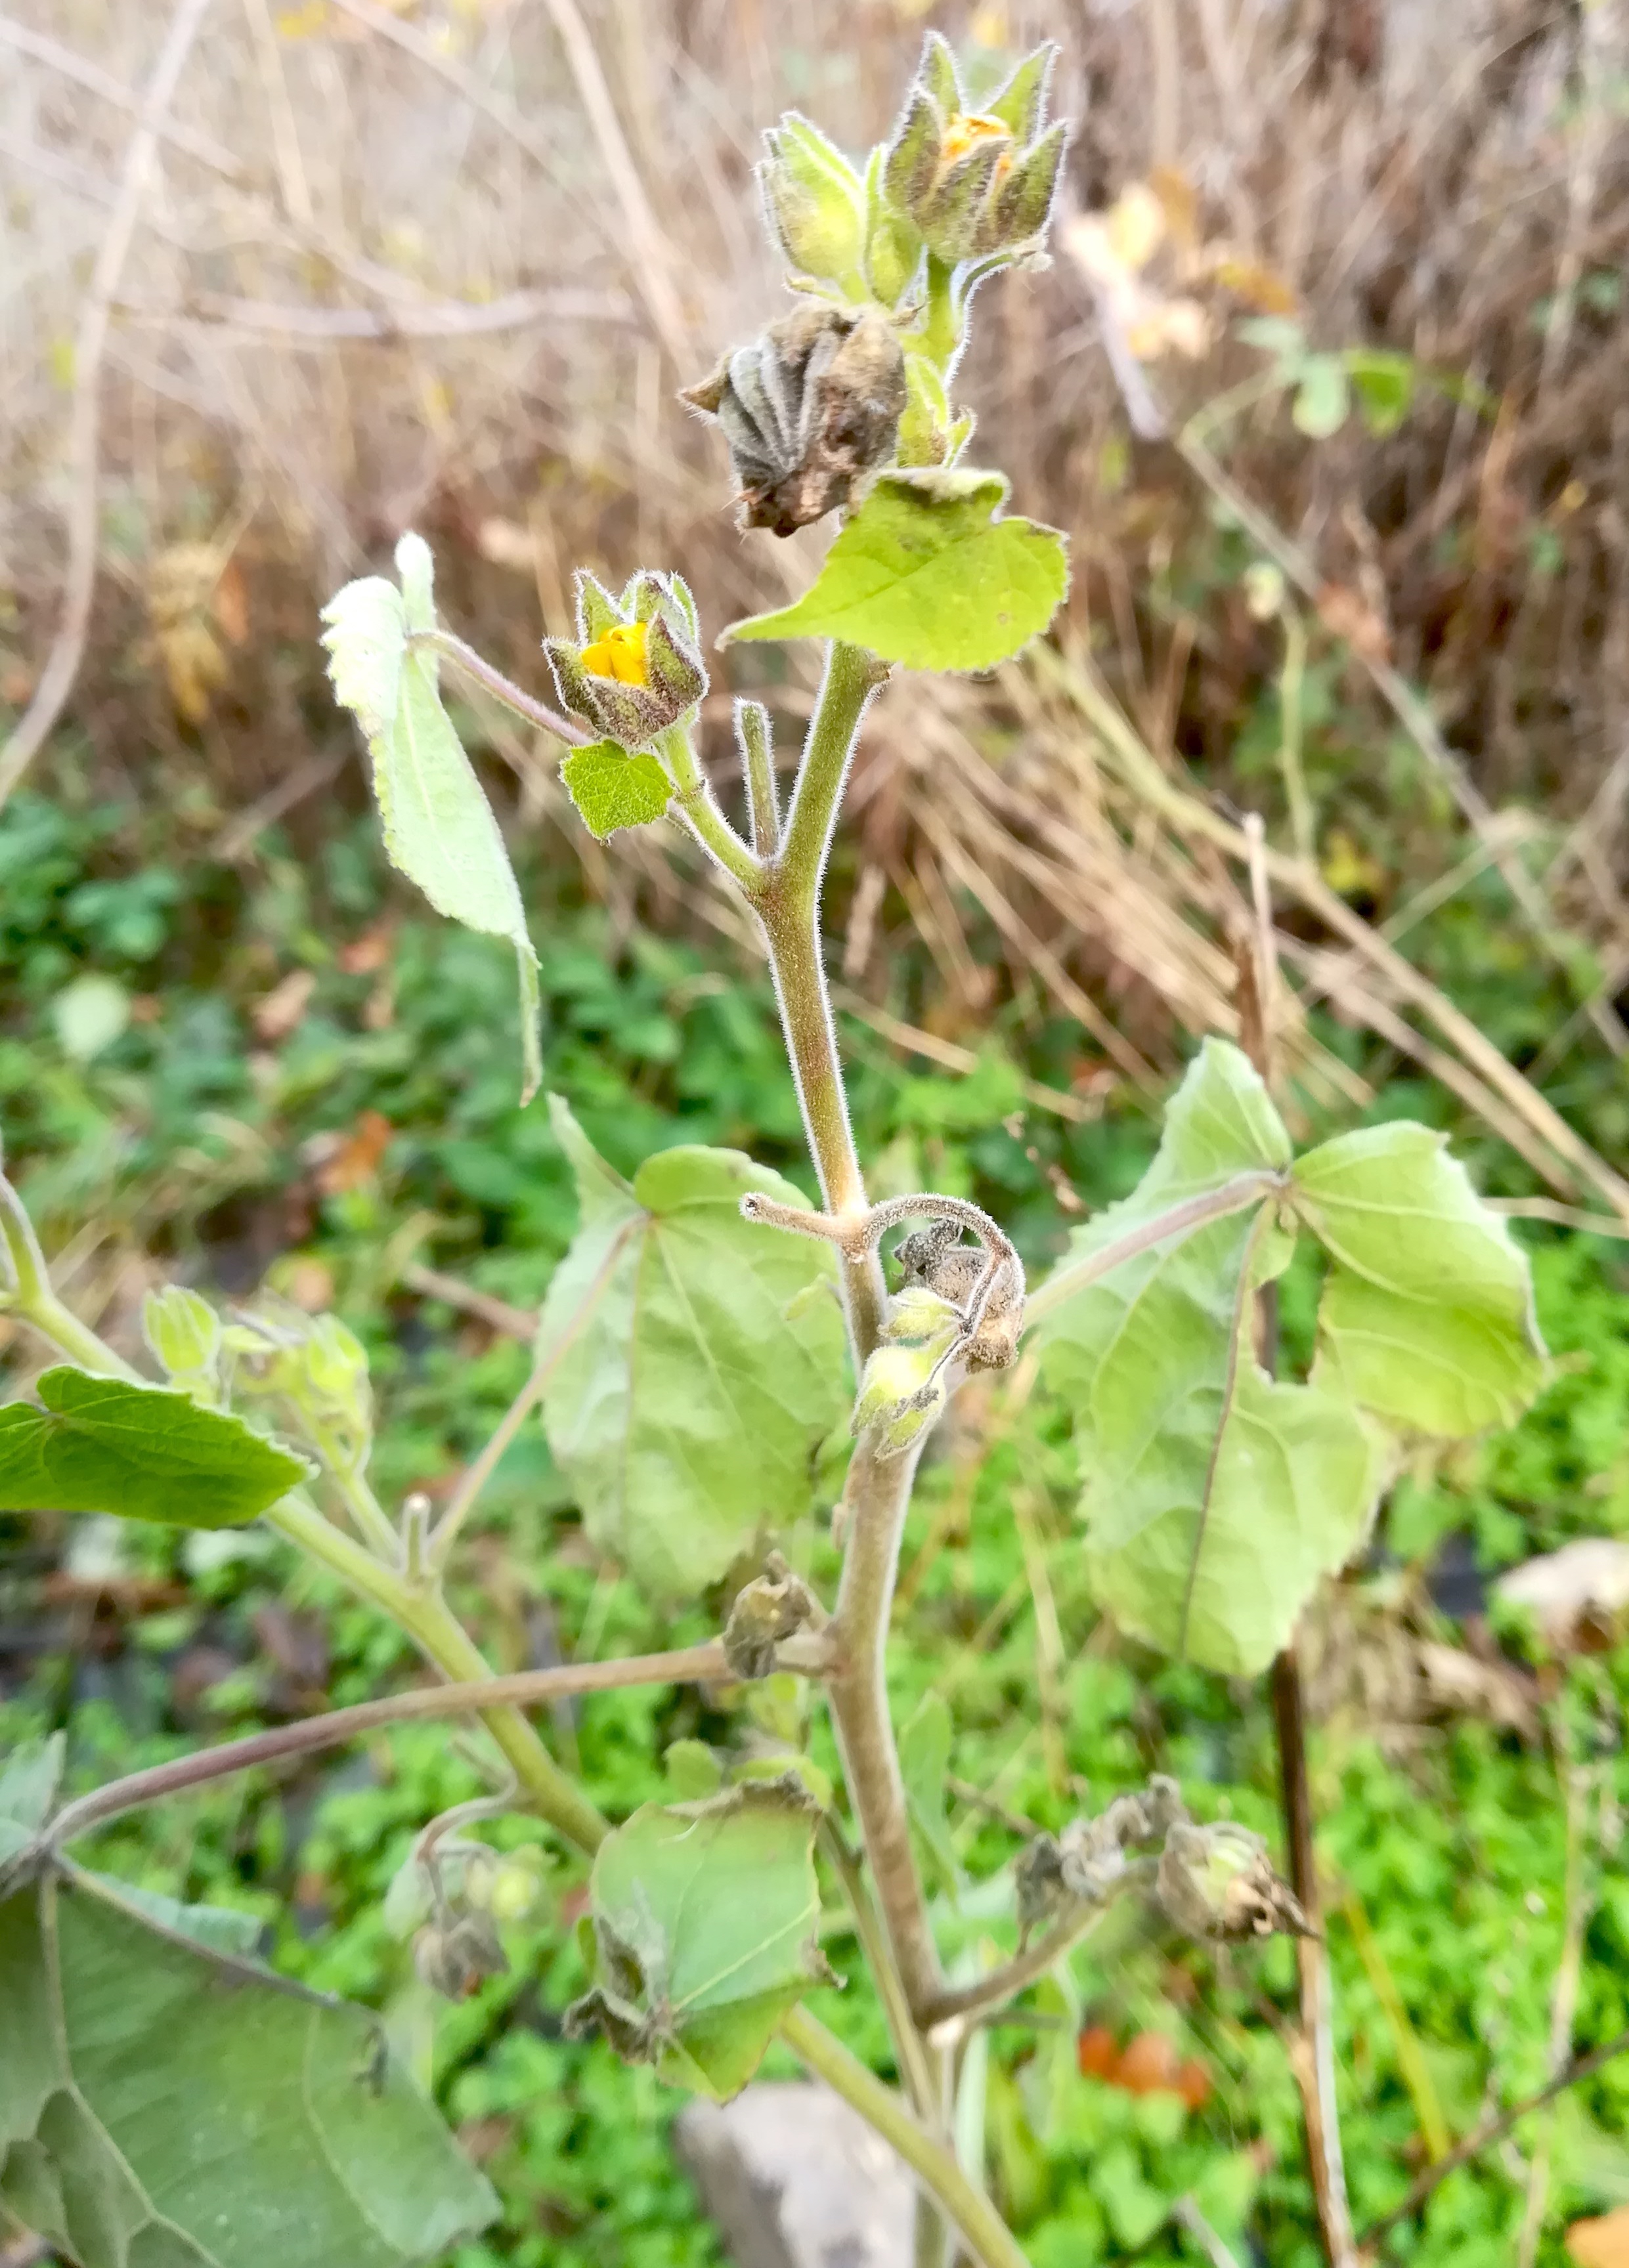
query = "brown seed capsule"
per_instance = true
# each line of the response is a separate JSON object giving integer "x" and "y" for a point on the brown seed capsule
{"x": 808, "y": 409}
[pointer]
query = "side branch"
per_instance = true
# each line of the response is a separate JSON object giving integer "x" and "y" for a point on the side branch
{"x": 694, "y": 1665}
{"x": 1243, "y": 1191}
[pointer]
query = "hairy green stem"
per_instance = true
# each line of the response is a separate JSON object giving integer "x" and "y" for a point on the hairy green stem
{"x": 502, "y": 689}
{"x": 702, "y": 815}
{"x": 980, "y": 2226}
{"x": 910, "y": 2051}
{"x": 1243, "y": 1191}
{"x": 373, "y": 1523}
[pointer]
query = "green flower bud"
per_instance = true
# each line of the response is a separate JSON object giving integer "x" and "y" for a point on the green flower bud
{"x": 183, "y": 1332}
{"x": 893, "y": 244}
{"x": 336, "y": 1366}
{"x": 902, "y": 1392}
{"x": 937, "y": 74}
{"x": 635, "y": 667}
{"x": 913, "y": 155}
{"x": 815, "y": 203}
{"x": 808, "y": 409}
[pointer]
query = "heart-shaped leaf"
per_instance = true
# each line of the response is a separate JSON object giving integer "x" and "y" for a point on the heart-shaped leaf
{"x": 1427, "y": 1315}
{"x": 165, "y": 2107}
{"x": 930, "y": 572}
{"x": 144, "y": 1452}
{"x": 691, "y": 1384}
{"x": 612, "y": 787}
{"x": 704, "y": 1915}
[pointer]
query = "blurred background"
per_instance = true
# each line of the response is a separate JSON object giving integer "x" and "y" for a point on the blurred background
{"x": 1325, "y": 381}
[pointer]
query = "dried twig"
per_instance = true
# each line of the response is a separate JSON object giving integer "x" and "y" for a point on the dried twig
{"x": 84, "y": 428}
{"x": 39, "y": 48}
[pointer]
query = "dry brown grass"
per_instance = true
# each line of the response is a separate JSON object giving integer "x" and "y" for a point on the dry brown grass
{"x": 444, "y": 267}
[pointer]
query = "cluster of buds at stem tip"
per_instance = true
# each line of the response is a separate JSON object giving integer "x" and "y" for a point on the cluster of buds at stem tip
{"x": 958, "y": 1303}
{"x": 808, "y": 410}
{"x": 976, "y": 184}
{"x": 635, "y": 667}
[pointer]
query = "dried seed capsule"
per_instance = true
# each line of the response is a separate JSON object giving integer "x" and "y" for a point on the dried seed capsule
{"x": 808, "y": 409}
{"x": 1217, "y": 1881}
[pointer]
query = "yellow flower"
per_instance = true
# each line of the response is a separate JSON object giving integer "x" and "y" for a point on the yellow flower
{"x": 972, "y": 127}
{"x": 619, "y": 654}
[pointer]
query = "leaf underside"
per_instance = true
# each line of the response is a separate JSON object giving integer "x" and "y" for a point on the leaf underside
{"x": 440, "y": 829}
{"x": 691, "y": 1386}
{"x": 1215, "y": 1496}
{"x": 1427, "y": 1313}
{"x": 706, "y": 1919}
{"x": 164, "y": 2107}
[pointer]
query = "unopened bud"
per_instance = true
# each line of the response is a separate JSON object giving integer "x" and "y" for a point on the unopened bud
{"x": 808, "y": 409}
{"x": 336, "y": 1366}
{"x": 634, "y": 667}
{"x": 902, "y": 1392}
{"x": 893, "y": 244}
{"x": 182, "y": 1330}
{"x": 816, "y": 203}
{"x": 1217, "y": 1881}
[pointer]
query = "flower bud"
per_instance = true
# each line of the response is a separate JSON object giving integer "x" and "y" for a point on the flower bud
{"x": 635, "y": 667}
{"x": 808, "y": 409}
{"x": 815, "y": 202}
{"x": 182, "y": 1330}
{"x": 336, "y": 1366}
{"x": 1217, "y": 1881}
{"x": 976, "y": 184}
{"x": 893, "y": 246}
{"x": 774, "y": 1606}
{"x": 902, "y": 1392}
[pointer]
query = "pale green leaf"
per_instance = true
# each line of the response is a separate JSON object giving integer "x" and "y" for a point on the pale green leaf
{"x": 612, "y": 788}
{"x": 1213, "y": 1498}
{"x": 1427, "y": 1315}
{"x": 1322, "y": 398}
{"x": 439, "y": 830}
{"x": 706, "y": 1919}
{"x": 1220, "y": 1124}
{"x": 930, "y": 572}
{"x": 691, "y": 1388}
{"x": 30, "y": 1778}
{"x": 162, "y": 2107}
{"x": 144, "y": 1452}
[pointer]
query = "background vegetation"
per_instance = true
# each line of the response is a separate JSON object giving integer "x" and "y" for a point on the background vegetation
{"x": 436, "y": 269}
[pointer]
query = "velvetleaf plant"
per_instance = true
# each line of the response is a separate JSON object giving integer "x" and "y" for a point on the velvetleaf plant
{"x": 702, "y": 1340}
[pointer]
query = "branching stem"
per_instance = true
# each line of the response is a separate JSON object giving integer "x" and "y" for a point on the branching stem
{"x": 955, "y": 2011}
{"x": 694, "y": 1665}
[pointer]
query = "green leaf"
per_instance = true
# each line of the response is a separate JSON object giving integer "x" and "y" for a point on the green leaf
{"x": 611, "y": 788}
{"x": 439, "y": 831}
{"x": 690, "y": 1392}
{"x": 1428, "y": 1315}
{"x": 931, "y": 573}
{"x": 144, "y": 1452}
{"x": 924, "y": 1745}
{"x": 1214, "y": 1498}
{"x": 1220, "y": 1122}
{"x": 1322, "y": 398}
{"x": 29, "y": 1781}
{"x": 161, "y": 2107}
{"x": 704, "y": 1918}
{"x": 1384, "y": 385}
